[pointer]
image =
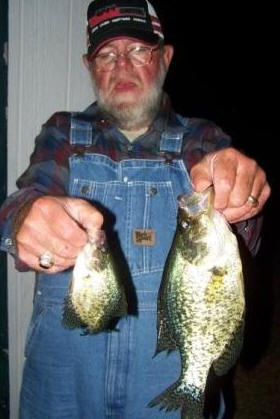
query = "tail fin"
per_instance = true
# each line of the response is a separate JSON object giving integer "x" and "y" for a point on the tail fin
{"x": 180, "y": 395}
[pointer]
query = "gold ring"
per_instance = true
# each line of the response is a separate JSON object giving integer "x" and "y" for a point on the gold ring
{"x": 253, "y": 200}
{"x": 46, "y": 260}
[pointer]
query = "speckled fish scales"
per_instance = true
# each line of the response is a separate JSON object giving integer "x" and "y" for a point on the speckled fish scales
{"x": 96, "y": 295}
{"x": 201, "y": 302}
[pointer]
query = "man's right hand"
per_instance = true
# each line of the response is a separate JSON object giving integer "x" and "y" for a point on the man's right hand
{"x": 59, "y": 225}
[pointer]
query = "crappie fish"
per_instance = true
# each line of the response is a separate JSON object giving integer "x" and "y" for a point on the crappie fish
{"x": 96, "y": 295}
{"x": 201, "y": 302}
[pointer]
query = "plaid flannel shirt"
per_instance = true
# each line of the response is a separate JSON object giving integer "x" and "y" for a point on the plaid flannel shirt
{"x": 48, "y": 171}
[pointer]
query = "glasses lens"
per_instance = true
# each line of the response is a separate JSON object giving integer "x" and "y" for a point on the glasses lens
{"x": 139, "y": 56}
{"x": 105, "y": 62}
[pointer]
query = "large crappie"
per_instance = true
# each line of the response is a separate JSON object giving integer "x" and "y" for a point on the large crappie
{"x": 201, "y": 302}
{"x": 96, "y": 294}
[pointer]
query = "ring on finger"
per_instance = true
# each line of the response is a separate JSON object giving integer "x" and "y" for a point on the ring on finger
{"x": 253, "y": 200}
{"x": 46, "y": 260}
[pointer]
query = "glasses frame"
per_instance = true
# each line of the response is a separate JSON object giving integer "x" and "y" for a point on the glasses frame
{"x": 125, "y": 54}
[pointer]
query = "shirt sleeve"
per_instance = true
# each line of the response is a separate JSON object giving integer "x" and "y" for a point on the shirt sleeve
{"x": 204, "y": 137}
{"x": 47, "y": 174}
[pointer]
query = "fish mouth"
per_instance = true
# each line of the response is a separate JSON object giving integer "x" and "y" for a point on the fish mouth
{"x": 195, "y": 203}
{"x": 183, "y": 200}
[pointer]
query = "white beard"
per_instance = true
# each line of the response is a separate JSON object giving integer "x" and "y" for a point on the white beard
{"x": 132, "y": 116}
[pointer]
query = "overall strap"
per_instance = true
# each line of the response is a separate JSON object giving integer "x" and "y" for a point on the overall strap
{"x": 171, "y": 141}
{"x": 172, "y": 138}
{"x": 80, "y": 132}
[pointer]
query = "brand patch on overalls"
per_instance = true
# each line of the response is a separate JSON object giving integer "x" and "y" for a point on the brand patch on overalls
{"x": 143, "y": 237}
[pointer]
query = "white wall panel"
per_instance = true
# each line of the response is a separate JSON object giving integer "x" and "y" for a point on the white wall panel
{"x": 46, "y": 41}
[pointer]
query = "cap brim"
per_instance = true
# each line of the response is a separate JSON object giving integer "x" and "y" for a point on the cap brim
{"x": 149, "y": 37}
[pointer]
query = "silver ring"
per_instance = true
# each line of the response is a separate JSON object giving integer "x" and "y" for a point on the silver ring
{"x": 253, "y": 200}
{"x": 46, "y": 260}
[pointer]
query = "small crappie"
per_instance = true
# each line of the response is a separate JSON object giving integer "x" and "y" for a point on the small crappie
{"x": 201, "y": 302}
{"x": 96, "y": 295}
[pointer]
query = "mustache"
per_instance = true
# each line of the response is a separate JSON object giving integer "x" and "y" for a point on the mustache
{"x": 124, "y": 79}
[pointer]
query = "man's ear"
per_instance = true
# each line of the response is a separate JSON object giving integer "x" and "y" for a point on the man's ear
{"x": 168, "y": 51}
{"x": 86, "y": 61}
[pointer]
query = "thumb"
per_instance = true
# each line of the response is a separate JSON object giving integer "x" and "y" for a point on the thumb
{"x": 85, "y": 214}
{"x": 202, "y": 173}
{"x": 200, "y": 178}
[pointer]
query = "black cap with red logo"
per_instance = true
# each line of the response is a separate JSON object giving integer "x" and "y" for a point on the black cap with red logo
{"x": 110, "y": 19}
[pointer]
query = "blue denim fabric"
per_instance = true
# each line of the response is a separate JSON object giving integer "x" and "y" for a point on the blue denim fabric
{"x": 68, "y": 374}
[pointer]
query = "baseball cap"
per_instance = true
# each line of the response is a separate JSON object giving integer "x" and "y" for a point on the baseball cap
{"x": 109, "y": 19}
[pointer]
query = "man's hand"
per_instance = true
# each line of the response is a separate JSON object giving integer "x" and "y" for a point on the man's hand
{"x": 58, "y": 225}
{"x": 235, "y": 177}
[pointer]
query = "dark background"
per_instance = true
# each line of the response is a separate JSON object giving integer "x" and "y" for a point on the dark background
{"x": 224, "y": 69}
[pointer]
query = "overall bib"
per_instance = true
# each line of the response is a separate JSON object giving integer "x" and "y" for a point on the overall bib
{"x": 72, "y": 375}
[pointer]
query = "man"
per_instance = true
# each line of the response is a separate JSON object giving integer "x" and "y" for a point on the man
{"x": 122, "y": 162}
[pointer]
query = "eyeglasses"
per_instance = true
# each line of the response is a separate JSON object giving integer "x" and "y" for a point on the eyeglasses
{"x": 138, "y": 56}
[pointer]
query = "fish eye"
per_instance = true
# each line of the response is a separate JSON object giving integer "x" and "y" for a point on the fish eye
{"x": 185, "y": 224}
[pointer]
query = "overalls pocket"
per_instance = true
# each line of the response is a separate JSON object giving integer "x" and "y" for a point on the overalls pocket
{"x": 137, "y": 197}
{"x": 152, "y": 209}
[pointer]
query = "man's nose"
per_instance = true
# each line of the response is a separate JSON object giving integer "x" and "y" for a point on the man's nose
{"x": 122, "y": 61}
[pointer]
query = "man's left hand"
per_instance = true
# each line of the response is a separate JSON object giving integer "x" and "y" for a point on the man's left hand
{"x": 235, "y": 178}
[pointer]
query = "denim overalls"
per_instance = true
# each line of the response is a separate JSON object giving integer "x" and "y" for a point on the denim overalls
{"x": 72, "y": 375}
